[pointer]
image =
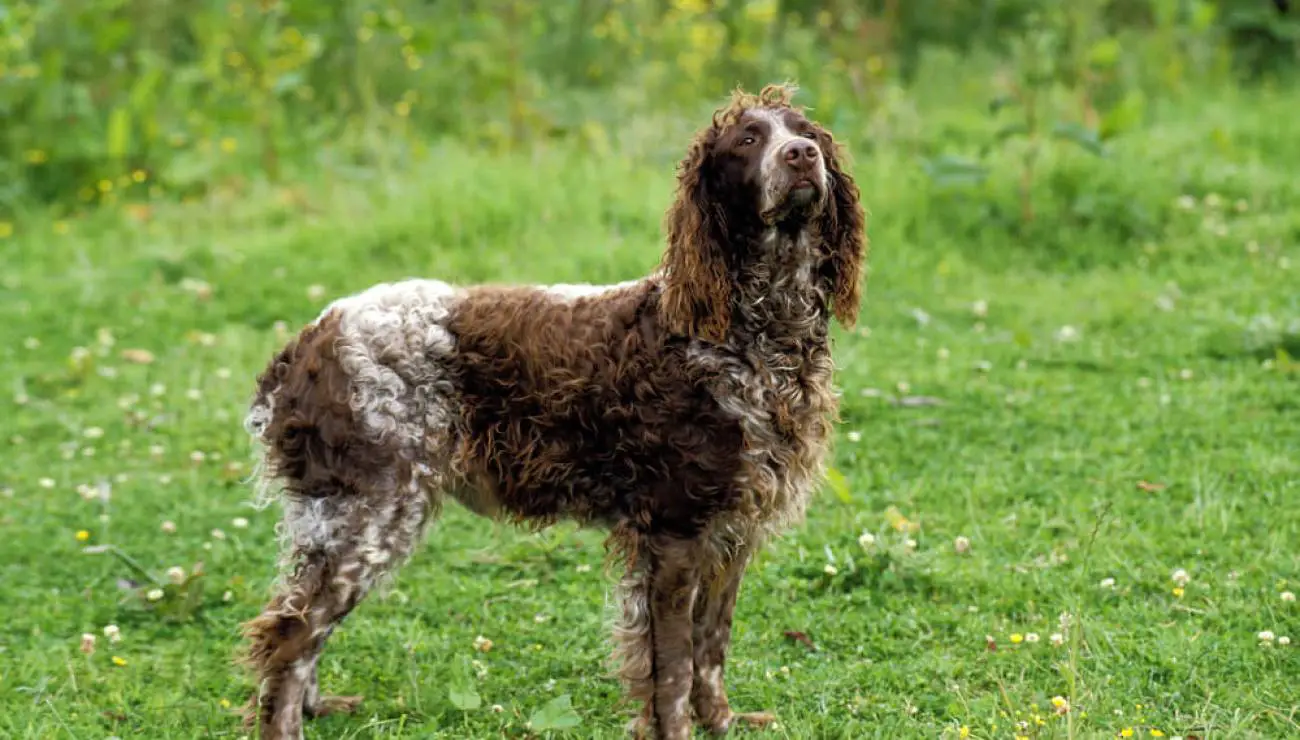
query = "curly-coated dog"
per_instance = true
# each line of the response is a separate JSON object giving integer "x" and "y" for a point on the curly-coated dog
{"x": 687, "y": 412}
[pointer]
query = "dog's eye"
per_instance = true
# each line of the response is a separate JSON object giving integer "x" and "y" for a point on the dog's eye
{"x": 747, "y": 141}
{"x": 809, "y": 135}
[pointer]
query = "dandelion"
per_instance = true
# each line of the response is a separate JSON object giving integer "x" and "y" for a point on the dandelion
{"x": 168, "y": 527}
{"x": 82, "y": 535}
{"x": 217, "y": 534}
{"x": 1031, "y": 637}
{"x": 1178, "y": 592}
{"x": 1284, "y": 640}
{"x": 1287, "y": 596}
{"x": 961, "y": 545}
{"x": 830, "y": 570}
{"x": 1107, "y": 583}
{"x": 1060, "y": 704}
{"x": 1180, "y": 577}
{"x": 229, "y": 145}
{"x": 239, "y": 522}
{"x": 154, "y": 594}
{"x": 1156, "y": 733}
{"x": 87, "y": 643}
{"x": 1057, "y": 639}
{"x": 112, "y": 633}
{"x": 1266, "y": 636}
{"x": 119, "y": 661}
{"x": 1017, "y": 638}
{"x": 1126, "y": 732}
{"x": 176, "y": 574}
{"x": 963, "y": 732}
{"x": 482, "y": 644}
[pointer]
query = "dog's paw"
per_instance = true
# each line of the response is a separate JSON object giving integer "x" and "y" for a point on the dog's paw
{"x": 753, "y": 720}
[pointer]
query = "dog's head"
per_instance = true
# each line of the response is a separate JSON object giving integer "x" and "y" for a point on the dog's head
{"x": 761, "y": 164}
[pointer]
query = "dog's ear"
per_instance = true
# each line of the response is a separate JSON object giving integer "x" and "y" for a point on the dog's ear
{"x": 843, "y": 226}
{"x": 696, "y": 298}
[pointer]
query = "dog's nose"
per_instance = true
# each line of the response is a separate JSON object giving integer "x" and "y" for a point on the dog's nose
{"x": 800, "y": 153}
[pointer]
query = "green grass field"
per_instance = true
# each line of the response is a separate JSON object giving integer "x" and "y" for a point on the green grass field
{"x": 1102, "y": 405}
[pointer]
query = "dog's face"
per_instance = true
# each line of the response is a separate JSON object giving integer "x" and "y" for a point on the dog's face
{"x": 770, "y": 163}
{"x": 760, "y": 164}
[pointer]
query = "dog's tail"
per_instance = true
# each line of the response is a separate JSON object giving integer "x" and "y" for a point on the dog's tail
{"x": 259, "y": 419}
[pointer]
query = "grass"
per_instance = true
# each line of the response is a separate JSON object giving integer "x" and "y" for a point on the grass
{"x": 1113, "y": 401}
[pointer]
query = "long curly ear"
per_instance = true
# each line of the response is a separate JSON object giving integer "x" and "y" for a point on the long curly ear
{"x": 844, "y": 229}
{"x": 696, "y": 298}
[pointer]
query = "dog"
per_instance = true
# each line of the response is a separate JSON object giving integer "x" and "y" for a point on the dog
{"x": 687, "y": 413}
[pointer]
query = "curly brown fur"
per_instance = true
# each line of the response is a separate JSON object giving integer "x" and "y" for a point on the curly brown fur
{"x": 687, "y": 412}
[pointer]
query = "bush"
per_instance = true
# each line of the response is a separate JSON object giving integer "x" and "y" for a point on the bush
{"x": 110, "y": 99}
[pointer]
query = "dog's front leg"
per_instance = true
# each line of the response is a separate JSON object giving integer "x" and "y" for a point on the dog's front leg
{"x": 674, "y": 584}
{"x": 714, "y": 607}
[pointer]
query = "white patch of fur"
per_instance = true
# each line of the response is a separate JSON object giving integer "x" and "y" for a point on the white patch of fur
{"x": 571, "y": 291}
{"x": 392, "y": 337}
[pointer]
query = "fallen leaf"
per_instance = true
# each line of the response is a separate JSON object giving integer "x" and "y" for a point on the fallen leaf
{"x": 138, "y": 356}
{"x": 802, "y": 638}
{"x": 1150, "y": 487}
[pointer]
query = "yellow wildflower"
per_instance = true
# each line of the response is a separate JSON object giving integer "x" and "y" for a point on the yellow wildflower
{"x": 1017, "y": 638}
{"x": 119, "y": 661}
{"x": 82, "y": 535}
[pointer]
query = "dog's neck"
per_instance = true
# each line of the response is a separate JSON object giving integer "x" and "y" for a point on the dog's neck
{"x": 777, "y": 293}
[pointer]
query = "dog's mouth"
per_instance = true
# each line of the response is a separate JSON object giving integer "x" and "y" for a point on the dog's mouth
{"x": 803, "y": 193}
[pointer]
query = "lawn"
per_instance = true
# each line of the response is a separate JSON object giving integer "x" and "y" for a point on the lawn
{"x": 1068, "y": 504}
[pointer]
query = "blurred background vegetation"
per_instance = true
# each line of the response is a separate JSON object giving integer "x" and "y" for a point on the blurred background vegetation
{"x": 124, "y": 101}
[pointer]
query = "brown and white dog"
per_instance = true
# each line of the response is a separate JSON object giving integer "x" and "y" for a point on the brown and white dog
{"x": 687, "y": 412}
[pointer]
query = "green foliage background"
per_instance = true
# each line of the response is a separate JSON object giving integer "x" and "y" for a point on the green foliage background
{"x": 109, "y": 99}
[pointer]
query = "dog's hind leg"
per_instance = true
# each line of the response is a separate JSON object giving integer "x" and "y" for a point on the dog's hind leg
{"x": 343, "y": 544}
